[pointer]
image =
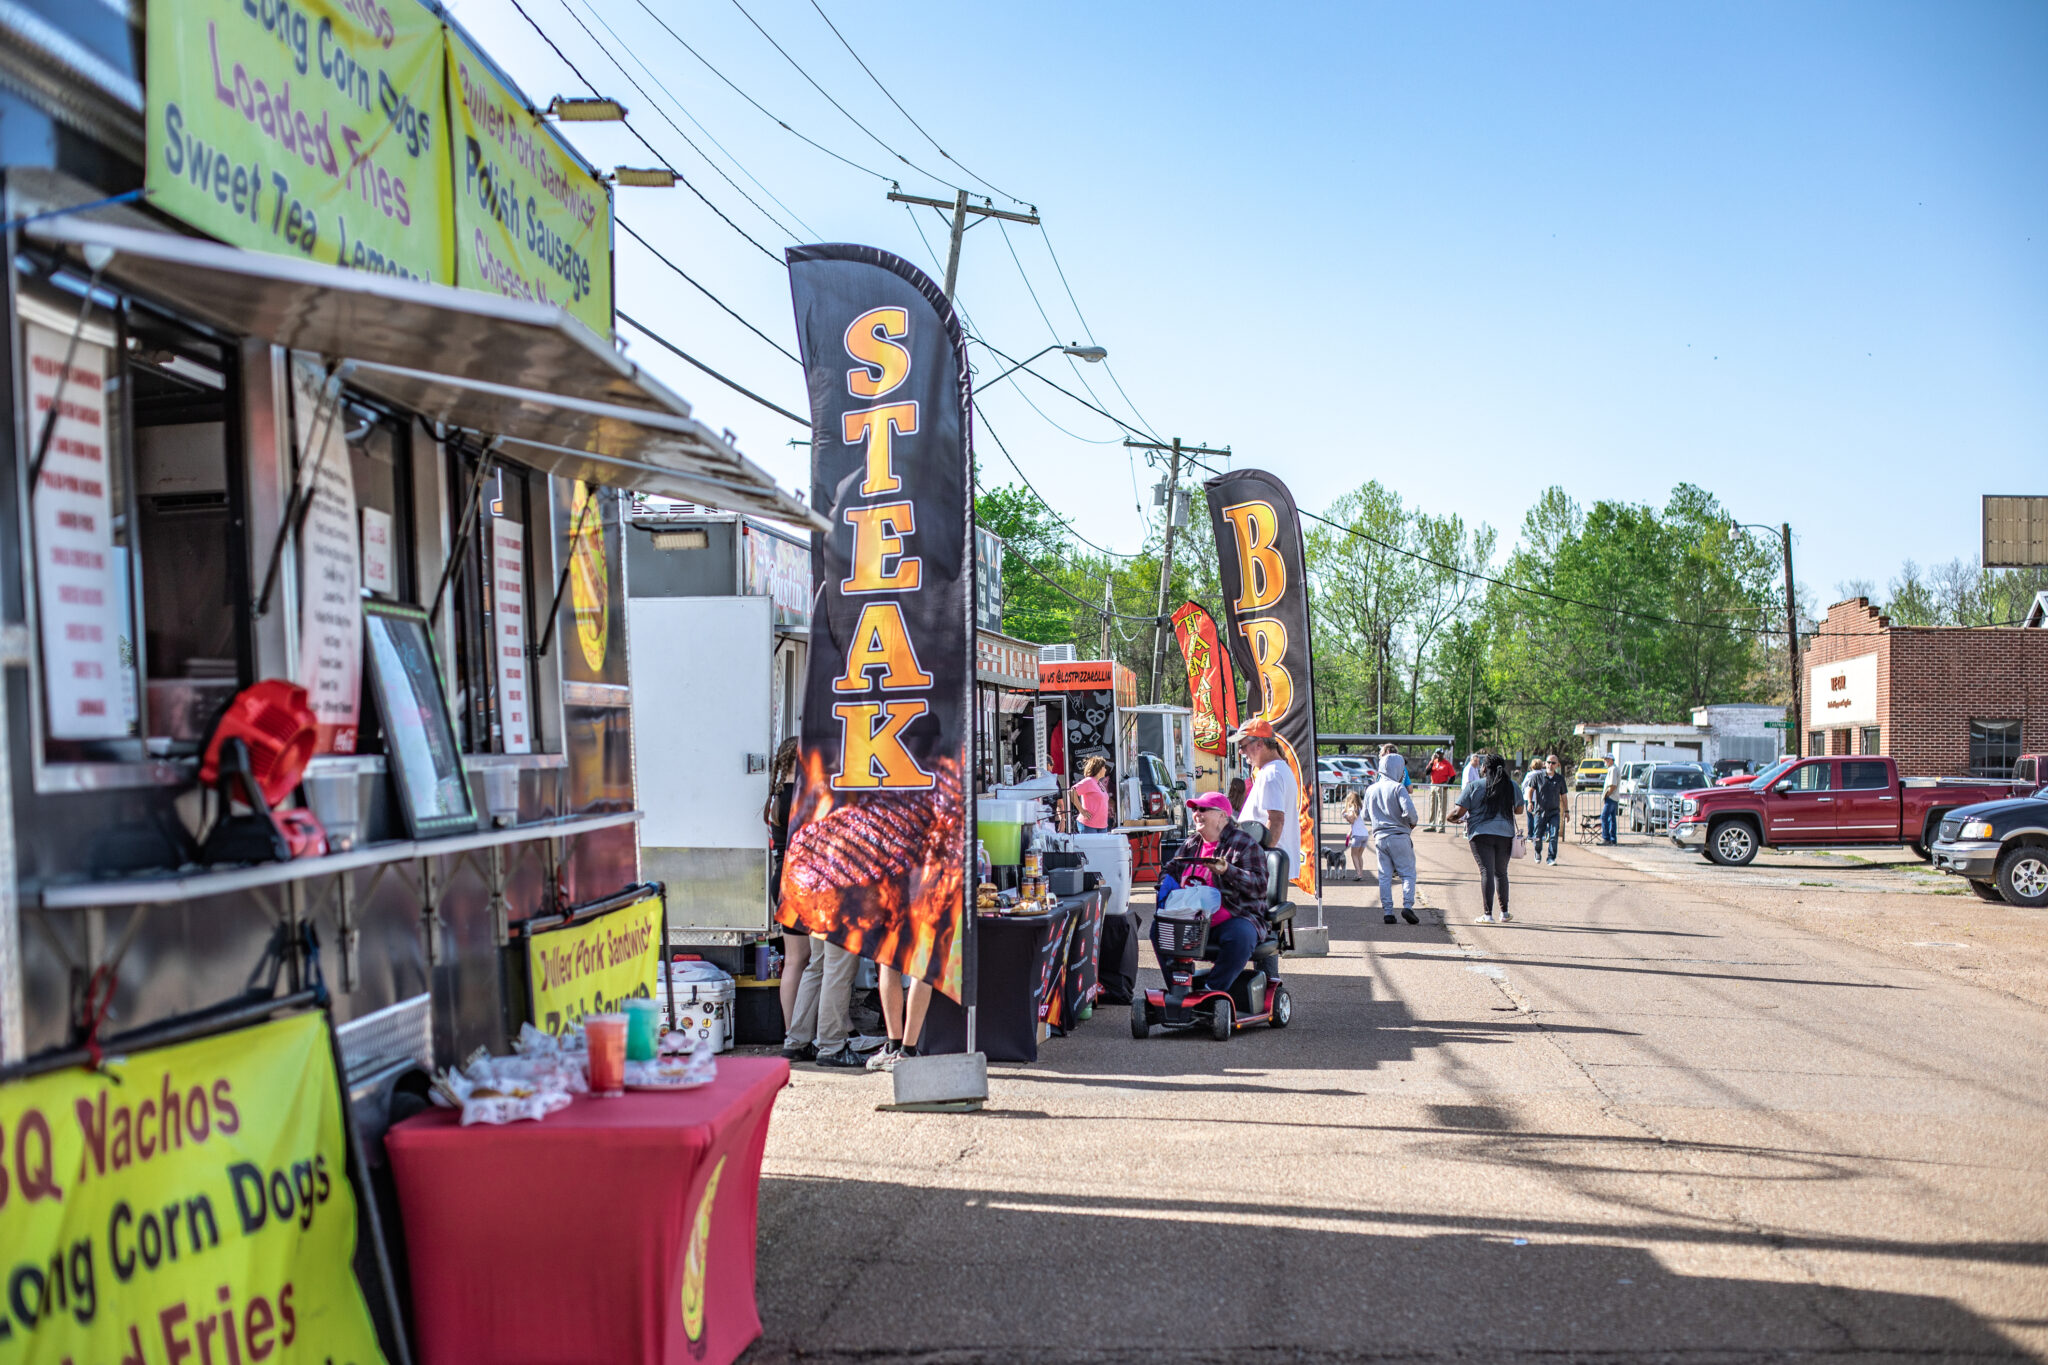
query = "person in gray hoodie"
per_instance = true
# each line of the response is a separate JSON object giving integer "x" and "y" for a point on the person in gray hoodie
{"x": 1391, "y": 812}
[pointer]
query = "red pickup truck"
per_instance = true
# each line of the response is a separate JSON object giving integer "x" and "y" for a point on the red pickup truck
{"x": 1813, "y": 802}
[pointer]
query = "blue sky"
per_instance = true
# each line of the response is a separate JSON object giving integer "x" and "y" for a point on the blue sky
{"x": 1797, "y": 254}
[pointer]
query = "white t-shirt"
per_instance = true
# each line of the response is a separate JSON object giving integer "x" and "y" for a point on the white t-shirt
{"x": 1273, "y": 788}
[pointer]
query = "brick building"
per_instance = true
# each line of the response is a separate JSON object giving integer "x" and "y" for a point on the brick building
{"x": 1942, "y": 701}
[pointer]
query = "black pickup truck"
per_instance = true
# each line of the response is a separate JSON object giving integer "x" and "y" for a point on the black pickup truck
{"x": 2000, "y": 848}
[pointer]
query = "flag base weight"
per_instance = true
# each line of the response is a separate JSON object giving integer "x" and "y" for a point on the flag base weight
{"x": 947, "y": 1082}
{"x": 1311, "y": 941}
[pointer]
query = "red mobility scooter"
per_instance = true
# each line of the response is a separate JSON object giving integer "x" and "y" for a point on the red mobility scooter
{"x": 1258, "y": 996}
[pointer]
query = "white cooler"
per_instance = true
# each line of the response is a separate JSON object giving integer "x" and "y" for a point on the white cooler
{"x": 1110, "y": 855}
{"x": 704, "y": 1002}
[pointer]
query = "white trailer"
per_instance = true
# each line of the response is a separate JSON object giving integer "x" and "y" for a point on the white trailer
{"x": 717, "y": 633}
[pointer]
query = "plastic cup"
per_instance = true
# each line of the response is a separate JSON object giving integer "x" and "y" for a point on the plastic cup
{"x": 606, "y": 1035}
{"x": 643, "y": 1030}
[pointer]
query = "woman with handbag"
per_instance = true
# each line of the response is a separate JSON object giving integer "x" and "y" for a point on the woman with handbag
{"x": 1487, "y": 808}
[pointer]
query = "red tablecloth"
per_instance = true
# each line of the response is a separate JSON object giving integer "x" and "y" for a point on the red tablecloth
{"x": 615, "y": 1231}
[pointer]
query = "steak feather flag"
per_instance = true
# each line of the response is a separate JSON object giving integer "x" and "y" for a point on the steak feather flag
{"x": 880, "y": 832}
{"x": 1212, "y": 687}
{"x": 1265, "y": 603}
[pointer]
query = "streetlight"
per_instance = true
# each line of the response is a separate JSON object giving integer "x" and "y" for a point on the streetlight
{"x": 1094, "y": 355}
{"x": 585, "y": 110}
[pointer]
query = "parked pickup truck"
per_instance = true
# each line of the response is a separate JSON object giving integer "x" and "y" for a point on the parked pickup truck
{"x": 1815, "y": 802}
{"x": 2000, "y": 848}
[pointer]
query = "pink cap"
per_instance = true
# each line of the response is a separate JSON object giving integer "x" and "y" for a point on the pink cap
{"x": 1210, "y": 801}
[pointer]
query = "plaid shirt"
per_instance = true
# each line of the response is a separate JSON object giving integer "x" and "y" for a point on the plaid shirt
{"x": 1242, "y": 878}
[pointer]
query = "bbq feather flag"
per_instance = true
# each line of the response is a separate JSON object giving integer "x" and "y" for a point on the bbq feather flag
{"x": 1265, "y": 604}
{"x": 881, "y": 832}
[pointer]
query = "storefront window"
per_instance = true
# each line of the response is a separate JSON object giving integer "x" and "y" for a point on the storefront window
{"x": 1816, "y": 742}
{"x": 1870, "y": 744}
{"x": 135, "y": 554}
{"x": 495, "y": 611}
{"x": 1994, "y": 747}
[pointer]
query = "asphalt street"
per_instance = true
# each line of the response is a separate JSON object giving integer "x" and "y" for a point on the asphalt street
{"x": 1655, "y": 1117}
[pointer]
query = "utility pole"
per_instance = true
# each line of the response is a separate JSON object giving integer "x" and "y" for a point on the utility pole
{"x": 1792, "y": 641}
{"x": 1175, "y": 451}
{"x": 1105, "y": 620}
{"x": 961, "y": 208}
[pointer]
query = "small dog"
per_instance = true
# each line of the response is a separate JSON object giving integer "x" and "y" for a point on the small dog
{"x": 1333, "y": 859}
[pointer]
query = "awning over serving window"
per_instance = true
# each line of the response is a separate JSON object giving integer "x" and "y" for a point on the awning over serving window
{"x": 562, "y": 397}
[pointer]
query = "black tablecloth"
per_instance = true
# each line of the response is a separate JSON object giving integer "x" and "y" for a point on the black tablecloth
{"x": 1026, "y": 965}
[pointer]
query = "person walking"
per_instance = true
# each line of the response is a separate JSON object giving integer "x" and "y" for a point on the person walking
{"x": 1529, "y": 794}
{"x": 1610, "y": 803}
{"x": 1548, "y": 795}
{"x": 1475, "y": 767}
{"x": 1441, "y": 774}
{"x": 1274, "y": 800}
{"x": 1488, "y": 808}
{"x": 1390, "y": 810}
{"x": 1357, "y": 832}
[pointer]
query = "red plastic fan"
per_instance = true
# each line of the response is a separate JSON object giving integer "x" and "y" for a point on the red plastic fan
{"x": 273, "y": 719}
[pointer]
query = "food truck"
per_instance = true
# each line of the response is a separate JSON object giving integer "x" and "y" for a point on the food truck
{"x": 734, "y": 589}
{"x": 239, "y": 467}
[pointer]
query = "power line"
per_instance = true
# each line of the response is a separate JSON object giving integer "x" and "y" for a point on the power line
{"x": 692, "y": 280}
{"x": 765, "y": 112}
{"x": 578, "y": 74}
{"x": 667, "y": 345}
{"x": 1088, "y": 331}
{"x": 596, "y": 14}
{"x": 1065, "y": 524}
{"x": 1092, "y": 407}
{"x": 906, "y": 113}
{"x": 836, "y": 104}
{"x": 1025, "y": 276}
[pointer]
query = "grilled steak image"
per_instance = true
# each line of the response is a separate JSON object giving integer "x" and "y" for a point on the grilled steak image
{"x": 877, "y": 837}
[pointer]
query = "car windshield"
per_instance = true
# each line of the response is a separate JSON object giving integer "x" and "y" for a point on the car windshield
{"x": 1770, "y": 774}
{"x": 1677, "y": 779}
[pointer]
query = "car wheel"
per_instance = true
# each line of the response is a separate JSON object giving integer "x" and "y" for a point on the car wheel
{"x": 1141, "y": 1022}
{"x": 1283, "y": 1008}
{"x": 1987, "y": 891}
{"x": 1221, "y": 1021}
{"x": 2023, "y": 877}
{"x": 1732, "y": 843}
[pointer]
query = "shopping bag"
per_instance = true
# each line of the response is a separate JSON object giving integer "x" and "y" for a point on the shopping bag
{"x": 1521, "y": 847}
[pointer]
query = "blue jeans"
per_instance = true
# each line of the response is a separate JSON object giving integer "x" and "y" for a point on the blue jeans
{"x": 1546, "y": 831}
{"x": 1397, "y": 859}
{"x": 1234, "y": 939}
{"x": 1608, "y": 806}
{"x": 1532, "y": 820}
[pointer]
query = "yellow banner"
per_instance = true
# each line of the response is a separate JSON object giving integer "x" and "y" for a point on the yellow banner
{"x": 594, "y": 967}
{"x": 189, "y": 1207}
{"x": 530, "y": 221}
{"x": 313, "y": 128}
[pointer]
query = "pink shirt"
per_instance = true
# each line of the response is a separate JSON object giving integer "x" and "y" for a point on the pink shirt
{"x": 1202, "y": 876}
{"x": 1094, "y": 803}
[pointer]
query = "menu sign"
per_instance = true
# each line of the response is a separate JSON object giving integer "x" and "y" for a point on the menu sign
{"x": 79, "y": 592}
{"x": 531, "y": 222}
{"x": 313, "y": 128}
{"x": 508, "y": 614}
{"x": 330, "y": 601}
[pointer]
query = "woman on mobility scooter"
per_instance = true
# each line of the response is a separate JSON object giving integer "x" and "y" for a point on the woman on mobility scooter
{"x": 1231, "y": 861}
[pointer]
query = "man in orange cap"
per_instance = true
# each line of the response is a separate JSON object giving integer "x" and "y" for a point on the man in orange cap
{"x": 1274, "y": 799}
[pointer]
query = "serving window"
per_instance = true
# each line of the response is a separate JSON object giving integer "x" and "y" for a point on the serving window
{"x": 133, "y": 560}
{"x": 495, "y": 587}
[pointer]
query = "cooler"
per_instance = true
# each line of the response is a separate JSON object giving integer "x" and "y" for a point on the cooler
{"x": 703, "y": 1001}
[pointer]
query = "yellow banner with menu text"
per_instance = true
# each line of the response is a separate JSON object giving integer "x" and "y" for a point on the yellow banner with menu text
{"x": 191, "y": 1206}
{"x": 530, "y": 221}
{"x": 314, "y": 128}
{"x": 593, "y": 967}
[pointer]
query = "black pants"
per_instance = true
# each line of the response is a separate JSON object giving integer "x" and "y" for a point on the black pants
{"x": 1491, "y": 852}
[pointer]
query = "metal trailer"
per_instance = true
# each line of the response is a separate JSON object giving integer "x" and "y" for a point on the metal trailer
{"x": 488, "y": 442}
{"x": 1168, "y": 734}
{"x": 718, "y": 615}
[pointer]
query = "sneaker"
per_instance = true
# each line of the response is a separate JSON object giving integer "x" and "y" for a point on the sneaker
{"x": 1505, "y": 916}
{"x": 1411, "y": 916}
{"x": 884, "y": 1057}
{"x": 1388, "y": 917}
{"x": 808, "y": 1052}
{"x": 845, "y": 1059}
{"x": 1482, "y": 919}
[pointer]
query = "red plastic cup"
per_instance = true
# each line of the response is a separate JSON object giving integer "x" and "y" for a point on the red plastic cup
{"x": 606, "y": 1036}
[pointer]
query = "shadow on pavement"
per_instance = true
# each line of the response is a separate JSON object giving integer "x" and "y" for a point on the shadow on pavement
{"x": 862, "y": 1271}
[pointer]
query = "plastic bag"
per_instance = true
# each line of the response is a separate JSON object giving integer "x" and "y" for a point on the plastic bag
{"x": 1195, "y": 898}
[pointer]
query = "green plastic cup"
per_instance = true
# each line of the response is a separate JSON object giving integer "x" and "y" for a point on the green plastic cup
{"x": 643, "y": 1030}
